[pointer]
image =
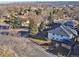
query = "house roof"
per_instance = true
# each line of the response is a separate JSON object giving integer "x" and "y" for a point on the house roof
{"x": 68, "y": 21}
{"x": 63, "y": 30}
{"x": 71, "y": 22}
{"x": 4, "y": 24}
{"x": 52, "y": 26}
{"x": 58, "y": 31}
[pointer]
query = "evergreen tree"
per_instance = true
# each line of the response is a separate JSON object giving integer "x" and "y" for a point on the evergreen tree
{"x": 15, "y": 22}
{"x": 50, "y": 17}
{"x": 41, "y": 27}
{"x": 38, "y": 12}
{"x": 29, "y": 9}
{"x": 33, "y": 27}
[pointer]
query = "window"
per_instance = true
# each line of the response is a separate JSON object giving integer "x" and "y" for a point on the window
{"x": 53, "y": 34}
{"x": 61, "y": 35}
{"x": 56, "y": 38}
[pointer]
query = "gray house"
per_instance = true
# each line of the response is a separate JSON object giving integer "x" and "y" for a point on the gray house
{"x": 62, "y": 33}
{"x": 4, "y": 26}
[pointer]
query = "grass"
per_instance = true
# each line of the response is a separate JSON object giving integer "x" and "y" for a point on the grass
{"x": 45, "y": 47}
{"x": 40, "y": 41}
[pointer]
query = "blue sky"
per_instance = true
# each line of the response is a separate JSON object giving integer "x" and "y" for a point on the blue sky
{"x": 36, "y": 0}
{"x": 3, "y": 1}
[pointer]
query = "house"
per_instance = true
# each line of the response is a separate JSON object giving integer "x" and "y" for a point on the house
{"x": 77, "y": 28}
{"x": 58, "y": 20}
{"x": 25, "y": 21}
{"x": 62, "y": 37}
{"x": 26, "y": 24}
{"x": 71, "y": 23}
{"x": 4, "y": 26}
{"x": 62, "y": 33}
{"x": 68, "y": 22}
{"x": 51, "y": 26}
{"x": 23, "y": 32}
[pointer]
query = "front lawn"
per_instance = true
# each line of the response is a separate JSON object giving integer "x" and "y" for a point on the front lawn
{"x": 42, "y": 42}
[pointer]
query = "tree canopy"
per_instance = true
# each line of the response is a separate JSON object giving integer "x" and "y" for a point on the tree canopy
{"x": 33, "y": 27}
{"x": 41, "y": 27}
{"x": 15, "y": 22}
{"x": 50, "y": 17}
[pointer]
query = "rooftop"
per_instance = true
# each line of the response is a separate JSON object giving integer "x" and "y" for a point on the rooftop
{"x": 63, "y": 30}
{"x": 4, "y": 24}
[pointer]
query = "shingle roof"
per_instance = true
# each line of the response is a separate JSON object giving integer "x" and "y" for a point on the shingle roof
{"x": 70, "y": 30}
{"x": 63, "y": 30}
{"x": 58, "y": 31}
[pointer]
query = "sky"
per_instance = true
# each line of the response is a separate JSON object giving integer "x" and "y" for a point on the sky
{"x": 4, "y": 1}
{"x": 35, "y": 0}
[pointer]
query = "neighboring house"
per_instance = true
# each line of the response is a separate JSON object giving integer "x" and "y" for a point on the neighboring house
{"x": 4, "y": 26}
{"x": 71, "y": 23}
{"x": 26, "y": 24}
{"x": 52, "y": 26}
{"x": 23, "y": 32}
{"x": 25, "y": 21}
{"x": 5, "y": 30}
{"x": 68, "y": 22}
{"x": 58, "y": 20}
{"x": 62, "y": 33}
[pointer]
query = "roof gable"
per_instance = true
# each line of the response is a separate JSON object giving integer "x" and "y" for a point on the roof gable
{"x": 63, "y": 30}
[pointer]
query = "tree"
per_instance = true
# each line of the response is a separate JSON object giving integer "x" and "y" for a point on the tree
{"x": 20, "y": 12}
{"x": 41, "y": 27}
{"x": 50, "y": 17}
{"x": 38, "y": 12}
{"x": 33, "y": 27}
{"x": 29, "y": 9}
{"x": 15, "y": 22}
